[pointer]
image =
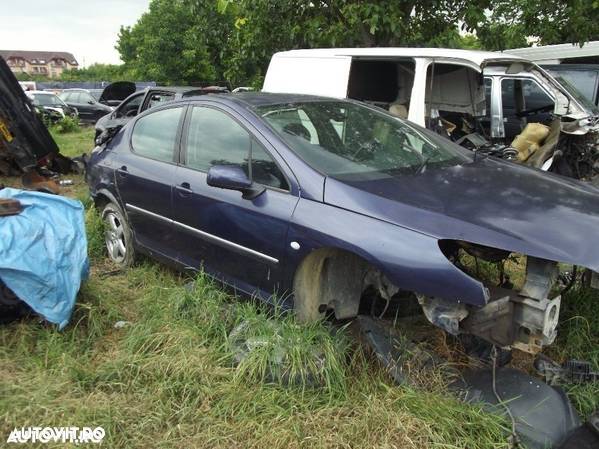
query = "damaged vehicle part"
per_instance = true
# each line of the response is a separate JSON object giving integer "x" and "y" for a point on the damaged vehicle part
{"x": 525, "y": 319}
{"x": 51, "y": 105}
{"x": 114, "y": 94}
{"x": 138, "y": 102}
{"x": 571, "y": 371}
{"x": 484, "y": 101}
{"x": 327, "y": 200}
{"x": 24, "y": 139}
{"x": 541, "y": 415}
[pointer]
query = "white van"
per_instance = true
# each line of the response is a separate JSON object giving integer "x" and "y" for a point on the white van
{"x": 481, "y": 100}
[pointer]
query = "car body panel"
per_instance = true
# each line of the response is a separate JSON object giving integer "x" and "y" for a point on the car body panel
{"x": 118, "y": 117}
{"x": 116, "y": 92}
{"x": 490, "y": 202}
{"x": 24, "y": 138}
{"x": 395, "y": 223}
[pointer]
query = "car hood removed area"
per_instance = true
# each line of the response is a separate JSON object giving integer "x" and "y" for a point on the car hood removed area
{"x": 489, "y": 202}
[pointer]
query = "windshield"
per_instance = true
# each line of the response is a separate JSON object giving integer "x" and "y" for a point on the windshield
{"x": 347, "y": 139}
{"x": 47, "y": 100}
{"x": 582, "y": 99}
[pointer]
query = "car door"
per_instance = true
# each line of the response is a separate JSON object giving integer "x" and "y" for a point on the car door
{"x": 241, "y": 241}
{"x": 524, "y": 101}
{"x": 122, "y": 114}
{"x": 144, "y": 176}
{"x": 89, "y": 106}
{"x": 74, "y": 99}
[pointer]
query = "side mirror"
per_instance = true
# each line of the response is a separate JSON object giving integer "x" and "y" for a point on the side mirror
{"x": 232, "y": 177}
{"x": 91, "y": 102}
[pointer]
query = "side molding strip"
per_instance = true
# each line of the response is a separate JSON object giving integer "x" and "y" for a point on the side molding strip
{"x": 205, "y": 235}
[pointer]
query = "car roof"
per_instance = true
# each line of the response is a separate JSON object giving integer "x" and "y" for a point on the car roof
{"x": 256, "y": 99}
{"x": 477, "y": 57}
{"x": 176, "y": 89}
{"x": 40, "y": 92}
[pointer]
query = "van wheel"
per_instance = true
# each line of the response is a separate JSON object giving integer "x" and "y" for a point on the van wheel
{"x": 118, "y": 236}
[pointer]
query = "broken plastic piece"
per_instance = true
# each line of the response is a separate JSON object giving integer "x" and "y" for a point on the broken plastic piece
{"x": 572, "y": 371}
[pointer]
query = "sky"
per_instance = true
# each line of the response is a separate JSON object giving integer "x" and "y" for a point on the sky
{"x": 86, "y": 28}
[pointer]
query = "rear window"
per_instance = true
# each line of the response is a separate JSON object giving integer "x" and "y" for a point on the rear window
{"x": 154, "y": 135}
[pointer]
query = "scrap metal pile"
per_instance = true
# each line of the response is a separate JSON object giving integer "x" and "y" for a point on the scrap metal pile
{"x": 26, "y": 146}
{"x": 43, "y": 245}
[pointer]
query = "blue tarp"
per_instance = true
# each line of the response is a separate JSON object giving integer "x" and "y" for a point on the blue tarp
{"x": 43, "y": 252}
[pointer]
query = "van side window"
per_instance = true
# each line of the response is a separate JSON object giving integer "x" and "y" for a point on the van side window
{"x": 387, "y": 84}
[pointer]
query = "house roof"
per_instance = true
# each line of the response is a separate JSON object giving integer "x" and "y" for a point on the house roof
{"x": 39, "y": 56}
{"x": 476, "y": 57}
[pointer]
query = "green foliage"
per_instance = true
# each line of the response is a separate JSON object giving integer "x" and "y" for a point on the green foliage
{"x": 174, "y": 43}
{"x": 75, "y": 143}
{"x": 98, "y": 72}
{"x": 66, "y": 125}
{"x": 186, "y": 41}
{"x": 551, "y": 21}
{"x": 96, "y": 229}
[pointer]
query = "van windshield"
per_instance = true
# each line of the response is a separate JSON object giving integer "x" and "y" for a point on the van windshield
{"x": 343, "y": 138}
{"x": 582, "y": 99}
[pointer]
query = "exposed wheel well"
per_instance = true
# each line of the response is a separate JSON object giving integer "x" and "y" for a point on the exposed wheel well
{"x": 100, "y": 201}
{"x": 334, "y": 279}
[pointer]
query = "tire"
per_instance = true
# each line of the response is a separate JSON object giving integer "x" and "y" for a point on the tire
{"x": 118, "y": 236}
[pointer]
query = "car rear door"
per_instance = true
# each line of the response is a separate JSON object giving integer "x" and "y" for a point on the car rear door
{"x": 241, "y": 241}
{"x": 144, "y": 176}
{"x": 74, "y": 99}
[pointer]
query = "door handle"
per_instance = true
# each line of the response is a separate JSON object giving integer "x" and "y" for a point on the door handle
{"x": 122, "y": 171}
{"x": 184, "y": 189}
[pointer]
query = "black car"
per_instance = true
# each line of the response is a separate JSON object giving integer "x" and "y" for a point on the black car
{"x": 90, "y": 109}
{"x": 140, "y": 101}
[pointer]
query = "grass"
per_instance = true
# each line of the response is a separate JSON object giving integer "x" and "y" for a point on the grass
{"x": 176, "y": 375}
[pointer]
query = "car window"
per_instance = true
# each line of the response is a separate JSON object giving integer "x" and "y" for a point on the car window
{"x": 47, "y": 100}
{"x": 357, "y": 141}
{"x": 130, "y": 107}
{"x": 74, "y": 97}
{"x": 154, "y": 135}
{"x": 215, "y": 138}
{"x": 65, "y": 96}
{"x": 159, "y": 98}
{"x": 533, "y": 95}
{"x": 84, "y": 97}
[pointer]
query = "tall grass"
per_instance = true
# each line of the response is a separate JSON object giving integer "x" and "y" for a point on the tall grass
{"x": 170, "y": 379}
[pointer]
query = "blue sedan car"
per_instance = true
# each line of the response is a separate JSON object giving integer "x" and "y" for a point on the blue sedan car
{"x": 321, "y": 201}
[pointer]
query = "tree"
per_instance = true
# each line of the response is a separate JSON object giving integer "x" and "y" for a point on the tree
{"x": 97, "y": 72}
{"x": 212, "y": 40}
{"x": 171, "y": 43}
{"x": 509, "y": 23}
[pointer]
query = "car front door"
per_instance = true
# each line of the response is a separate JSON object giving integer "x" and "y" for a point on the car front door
{"x": 524, "y": 101}
{"x": 144, "y": 175}
{"x": 241, "y": 241}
